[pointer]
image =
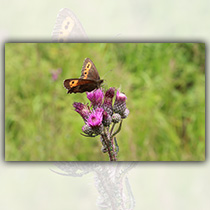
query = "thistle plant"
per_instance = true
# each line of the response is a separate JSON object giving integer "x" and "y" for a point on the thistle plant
{"x": 102, "y": 116}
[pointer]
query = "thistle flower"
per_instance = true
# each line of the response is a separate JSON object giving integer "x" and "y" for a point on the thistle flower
{"x": 120, "y": 104}
{"x": 82, "y": 109}
{"x": 95, "y": 97}
{"x": 107, "y": 105}
{"x": 95, "y": 120}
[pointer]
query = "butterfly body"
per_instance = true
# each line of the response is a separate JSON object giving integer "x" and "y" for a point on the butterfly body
{"x": 88, "y": 81}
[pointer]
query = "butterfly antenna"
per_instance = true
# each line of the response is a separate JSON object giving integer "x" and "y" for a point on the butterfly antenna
{"x": 107, "y": 73}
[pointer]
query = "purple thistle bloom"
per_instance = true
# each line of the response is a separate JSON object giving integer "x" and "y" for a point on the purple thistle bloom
{"x": 95, "y": 121}
{"x": 107, "y": 105}
{"x": 95, "y": 97}
{"x": 82, "y": 109}
{"x": 95, "y": 118}
{"x": 120, "y": 103}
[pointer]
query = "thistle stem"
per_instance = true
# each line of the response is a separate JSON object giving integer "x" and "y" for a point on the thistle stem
{"x": 109, "y": 145}
{"x": 117, "y": 147}
{"x": 118, "y": 130}
{"x": 112, "y": 128}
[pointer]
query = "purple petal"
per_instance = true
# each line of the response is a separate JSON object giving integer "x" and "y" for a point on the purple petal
{"x": 82, "y": 109}
{"x": 95, "y": 118}
{"x": 120, "y": 96}
{"x": 95, "y": 97}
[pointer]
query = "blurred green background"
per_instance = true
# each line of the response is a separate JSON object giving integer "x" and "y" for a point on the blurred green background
{"x": 164, "y": 83}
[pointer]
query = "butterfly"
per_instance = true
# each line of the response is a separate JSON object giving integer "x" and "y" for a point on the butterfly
{"x": 88, "y": 81}
{"x": 68, "y": 28}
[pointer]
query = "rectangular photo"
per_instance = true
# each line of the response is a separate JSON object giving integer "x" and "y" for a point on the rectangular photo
{"x": 104, "y": 102}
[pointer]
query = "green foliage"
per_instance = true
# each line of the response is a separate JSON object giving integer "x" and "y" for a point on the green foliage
{"x": 164, "y": 83}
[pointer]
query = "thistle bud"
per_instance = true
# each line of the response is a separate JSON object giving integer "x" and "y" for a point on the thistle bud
{"x": 120, "y": 103}
{"x": 125, "y": 113}
{"x": 98, "y": 130}
{"x": 107, "y": 119}
{"x": 87, "y": 130}
{"x": 116, "y": 118}
{"x": 107, "y": 105}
